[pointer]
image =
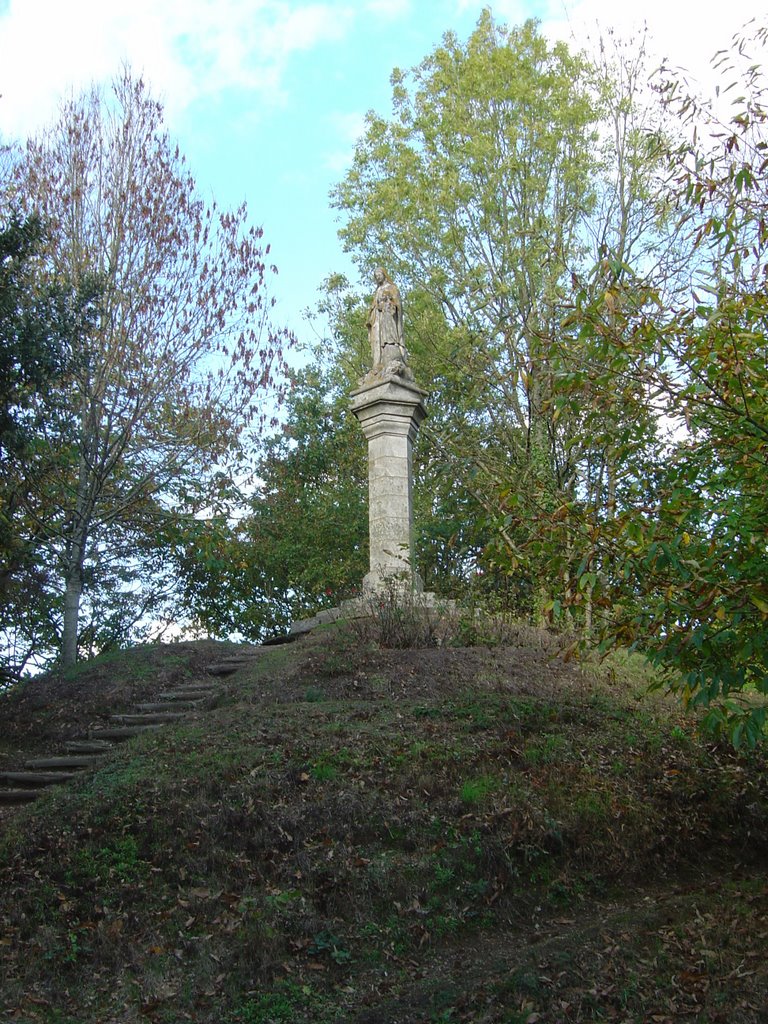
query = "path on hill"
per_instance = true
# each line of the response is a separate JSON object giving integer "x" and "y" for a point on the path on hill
{"x": 69, "y": 758}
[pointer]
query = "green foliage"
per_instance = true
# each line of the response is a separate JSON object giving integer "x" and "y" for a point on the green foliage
{"x": 276, "y": 1007}
{"x": 33, "y": 331}
{"x": 310, "y": 520}
{"x": 325, "y": 943}
{"x": 472, "y": 193}
{"x": 676, "y": 565}
{"x": 488, "y": 144}
{"x": 41, "y": 323}
{"x": 545, "y": 749}
{"x": 115, "y": 862}
{"x": 474, "y": 791}
{"x": 32, "y": 356}
{"x": 302, "y": 543}
{"x": 324, "y": 771}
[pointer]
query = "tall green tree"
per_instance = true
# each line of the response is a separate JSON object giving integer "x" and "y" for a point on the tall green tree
{"x": 508, "y": 169}
{"x": 473, "y": 193}
{"x": 680, "y": 570}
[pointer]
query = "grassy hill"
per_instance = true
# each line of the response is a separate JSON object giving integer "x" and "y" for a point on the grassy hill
{"x": 351, "y": 833}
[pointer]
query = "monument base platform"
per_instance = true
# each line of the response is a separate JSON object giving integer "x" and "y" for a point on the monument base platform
{"x": 365, "y": 607}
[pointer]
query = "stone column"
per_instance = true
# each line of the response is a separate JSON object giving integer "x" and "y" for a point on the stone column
{"x": 390, "y": 411}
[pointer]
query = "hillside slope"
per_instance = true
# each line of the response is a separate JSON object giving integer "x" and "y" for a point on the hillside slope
{"x": 366, "y": 835}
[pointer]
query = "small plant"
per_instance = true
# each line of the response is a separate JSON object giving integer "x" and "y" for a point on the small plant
{"x": 69, "y": 952}
{"x": 325, "y": 943}
{"x": 592, "y": 808}
{"x": 324, "y": 772}
{"x": 336, "y": 662}
{"x": 444, "y": 876}
{"x": 526, "y": 981}
{"x": 444, "y": 1017}
{"x": 426, "y": 711}
{"x": 283, "y": 898}
{"x": 680, "y": 736}
{"x": 478, "y": 713}
{"x": 547, "y": 749}
{"x": 474, "y": 791}
{"x": 480, "y": 624}
{"x": 73, "y": 948}
{"x": 116, "y": 861}
{"x": 397, "y": 618}
{"x": 277, "y": 1007}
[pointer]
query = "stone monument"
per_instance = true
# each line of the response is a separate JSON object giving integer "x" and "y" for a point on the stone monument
{"x": 390, "y": 409}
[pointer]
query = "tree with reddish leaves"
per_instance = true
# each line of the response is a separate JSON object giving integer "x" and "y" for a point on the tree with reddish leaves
{"x": 178, "y": 356}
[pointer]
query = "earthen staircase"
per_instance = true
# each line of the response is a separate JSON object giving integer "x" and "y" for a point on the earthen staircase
{"x": 28, "y": 782}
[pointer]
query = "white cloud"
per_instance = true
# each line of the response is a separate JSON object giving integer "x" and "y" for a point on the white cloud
{"x": 681, "y": 31}
{"x": 186, "y": 48}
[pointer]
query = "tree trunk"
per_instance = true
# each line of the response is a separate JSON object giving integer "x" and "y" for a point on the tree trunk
{"x": 72, "y": 593}
{"x": 73, "y": 567}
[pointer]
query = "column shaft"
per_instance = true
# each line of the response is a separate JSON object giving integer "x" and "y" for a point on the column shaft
{"x": 390, "y": 414}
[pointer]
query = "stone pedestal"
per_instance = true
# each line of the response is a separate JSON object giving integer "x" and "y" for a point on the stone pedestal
{"x": 390, "y": 411}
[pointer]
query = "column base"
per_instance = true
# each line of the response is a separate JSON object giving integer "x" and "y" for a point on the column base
{"x": 404, "y": 582}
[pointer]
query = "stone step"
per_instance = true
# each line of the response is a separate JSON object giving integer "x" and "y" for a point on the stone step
{"x": 281, "y": 638}
{"x": 166, "y": 705}
{"x": 156, "y": 718}
{"x": 227, "y": 668}
{"x": 186, "y": 694}
{"x": 75, "y": 762}
{"x": 88, "y": 746}
{"x": 230, "y": 665}
{"x": 18, "y": 796}
{"x": 193, "y": 687}
{"x": 201, "y": 686}
{"x": 123, "y": 732}
{"x": 243, "y": 658}
{"x": 35, "y": 778}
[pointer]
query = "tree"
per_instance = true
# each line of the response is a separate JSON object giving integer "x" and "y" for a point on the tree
{"x": 507, "y": 170}
{"x": 687, "y": 545}
{"x": 179, "y": 350}
{"x": 31, "y": 352}
{"x": 473, "y": 193}
{"x": 33, "y": 356}
{"x": 301, "y": 542}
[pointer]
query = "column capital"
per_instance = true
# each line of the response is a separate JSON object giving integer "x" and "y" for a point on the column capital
{"x": 390, "y": 406}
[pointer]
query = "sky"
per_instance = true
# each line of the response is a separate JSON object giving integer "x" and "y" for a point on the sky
{"x": 267, "y": 97}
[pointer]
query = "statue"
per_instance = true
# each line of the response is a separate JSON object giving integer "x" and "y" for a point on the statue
{"x": 385, "y": 329}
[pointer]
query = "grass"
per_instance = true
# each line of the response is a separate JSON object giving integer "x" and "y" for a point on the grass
{"x": 438, "y": 835}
